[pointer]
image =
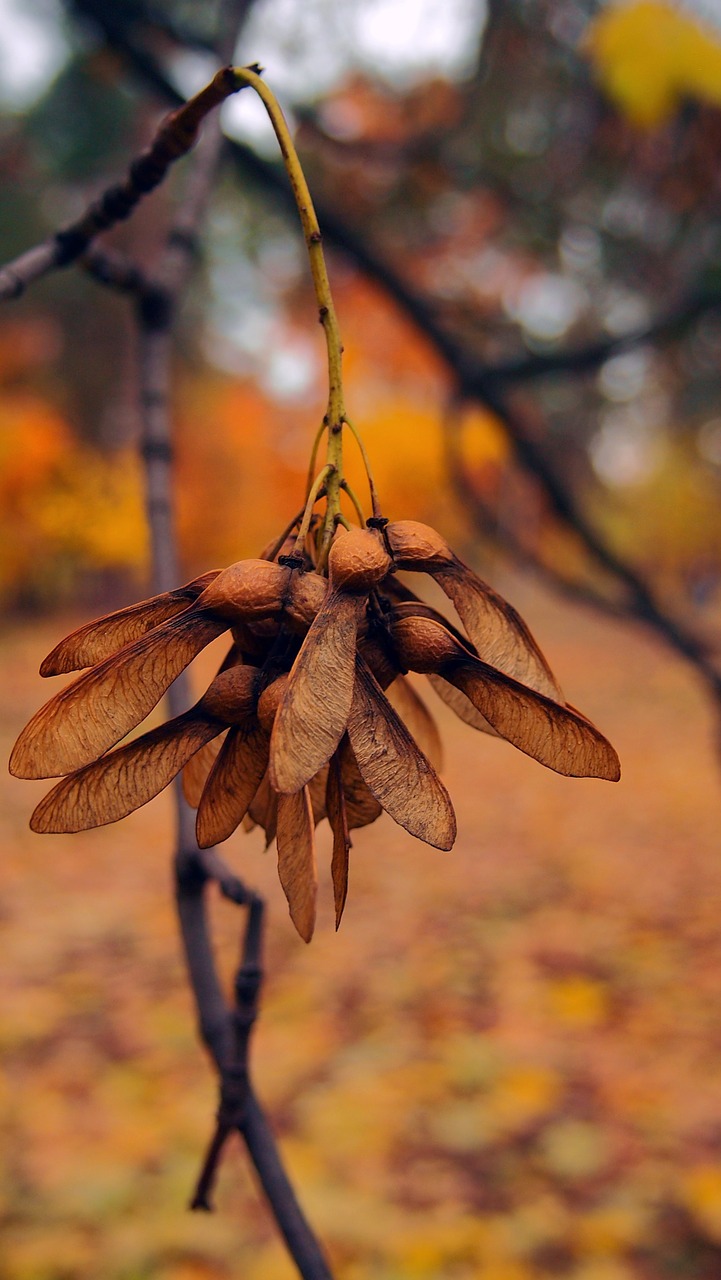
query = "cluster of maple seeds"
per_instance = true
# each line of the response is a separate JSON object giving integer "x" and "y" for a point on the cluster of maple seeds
{"x": 317, "y": 716}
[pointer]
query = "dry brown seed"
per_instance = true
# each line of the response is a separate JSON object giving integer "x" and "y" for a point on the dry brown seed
{"x": 264, "y": 809}
{"x": 417, "y": 718}
{"x": 249, "y": 644}
{"x": 417, "y": 546}
{"x": 550, "y": 732}
{"x": 381, "y": 661}
{"x": 98, "y": 640}
{"x": 233, "y": 782}
{"x": 316, "y": 790}
{"x": 338, "y": 819}
{"x": 269, "y": 701}
{"x": 306, "y": 594}
{"x": 113, "y": 787}
{"x": 395, "y": 769}
{"x": 423, "y": 644}
{"x": 357, "y": 561}
{"x": 362, "y": 808}
{"x": 195, "y": 773}
{"x": 296, "y": 860}
{"x": 247, "y": 591}
{"x": 415, "y": 608}
{"x": 314, "y": 709}
{"x": 554, "y": 735}
{"x": 90, "y": 715}
{"x": 232, "y": 695}
{"x": 461, "y": 705}
{"x": 497, "y": 630}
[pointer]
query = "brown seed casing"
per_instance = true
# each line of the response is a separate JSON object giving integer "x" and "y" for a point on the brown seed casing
{"x": 232, "y": 695}
{"x": 269, "y": 701}
{"x": 417, "y": 546}
{"x": 358, "y": 561}
{"x": 552, "y": 733}
{"x": 497, "y": 630}
{"x": 313, "y": 712}
{"x": 394, "y": 768}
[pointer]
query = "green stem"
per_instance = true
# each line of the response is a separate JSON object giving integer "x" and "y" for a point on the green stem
{"x": 335, "y": 414}
{"x": 354, "y": 499}
{"x": 375, "y": 501}
{"x": 315, "y": 492}
{"x": 314, "y": 454}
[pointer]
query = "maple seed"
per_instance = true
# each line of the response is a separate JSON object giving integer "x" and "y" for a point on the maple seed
{"x": 313, "y": 712}
{"x": 114, "y": 786}
{"x": 296, "y": 860}
{"x": 232, "y": 782}
{"x": 296, "y": 726}
{"x": 498, "y": 632}
{"x": 394, "y": 768}
{"x": 90, "y": 715}
{"x": 552, "y": 733}
{"x": 98, "y": 640}
{"x": 357, "y": 561}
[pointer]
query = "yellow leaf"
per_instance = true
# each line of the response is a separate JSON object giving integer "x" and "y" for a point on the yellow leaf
{"x": 579, "y": 1002}
{"x": 701, "y": 1192}
{"x": 650, "y": 55}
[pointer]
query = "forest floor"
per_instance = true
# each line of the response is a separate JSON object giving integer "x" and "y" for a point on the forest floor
{"x": 505, "y": 1066}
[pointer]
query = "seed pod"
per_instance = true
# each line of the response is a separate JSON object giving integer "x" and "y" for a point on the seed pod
{"x": 90, "y": 715}
{"x": 552, "y": 733}
{"x": 357, "y": 561}
{"x": 417, "y": 546}
{"x": 424, "y": 645}
{"x": 269, "y": 701}
{"x": 232, "y": 695}
{"x": 247, "y": 591}
{"x": 233, "y": 782}
{"x": 497, "y": 630}
{"x": 305, "y": 597}
{"x": 111, "y": 788}
{"x": 381, "y": 659}
{"x": 296, "y": 860}
{"x": 313, "y": 713}
{"x": 98, "y": 640}
{"x": 395, "y": 769}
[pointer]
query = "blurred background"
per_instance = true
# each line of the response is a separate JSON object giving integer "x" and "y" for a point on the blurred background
{"x": 506, "y": 1064}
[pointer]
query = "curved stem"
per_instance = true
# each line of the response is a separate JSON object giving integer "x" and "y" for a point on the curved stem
{"x": 314, "y": 454}
{"x": 285, "y": 534}
{"x": 315, "y": 492}
{"x": 375, "y": 501}
{"x": 335, "y": 414}
{"x": 354, "y": 499}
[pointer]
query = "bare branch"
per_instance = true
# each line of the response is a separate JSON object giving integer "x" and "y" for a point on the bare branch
{"x": 225, "y": 1032}
{"x": 174, "y": 138}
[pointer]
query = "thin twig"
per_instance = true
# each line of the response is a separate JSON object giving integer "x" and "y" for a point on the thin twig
{"x": 224, "y": 1031}
{"x": 174, "y": 138}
